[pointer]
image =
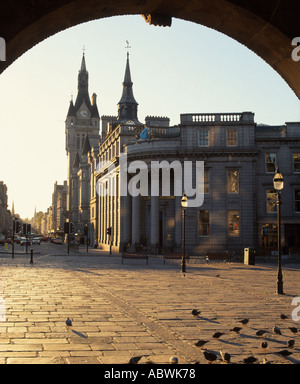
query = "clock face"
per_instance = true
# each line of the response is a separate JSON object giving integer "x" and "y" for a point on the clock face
{"x": 83, "y": 113}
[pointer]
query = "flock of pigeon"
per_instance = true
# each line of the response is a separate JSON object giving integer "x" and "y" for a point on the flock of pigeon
{"x": 226, "y": 357}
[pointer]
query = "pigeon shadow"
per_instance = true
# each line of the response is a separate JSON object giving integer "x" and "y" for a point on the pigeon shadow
{"x": 208, "y": 320}
{"x": 79, "y": 334}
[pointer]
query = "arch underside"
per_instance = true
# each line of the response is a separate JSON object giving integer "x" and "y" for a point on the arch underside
{"x": 265, "y": 27}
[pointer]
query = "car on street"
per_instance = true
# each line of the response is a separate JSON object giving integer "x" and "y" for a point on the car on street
{"x": 23, "y": 241}
{"x": 57, "y": 240}
{"x": 36, "y": 240}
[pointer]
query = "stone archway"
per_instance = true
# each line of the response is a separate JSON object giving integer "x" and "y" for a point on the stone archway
{"x": 266, "y": 27}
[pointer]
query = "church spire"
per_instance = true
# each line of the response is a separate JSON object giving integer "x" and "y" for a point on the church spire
{"x": 127, "y": 105}
{"x": 83, "y": 86}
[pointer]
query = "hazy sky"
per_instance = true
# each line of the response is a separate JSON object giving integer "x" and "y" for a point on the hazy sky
{"x": 187, "y": 68}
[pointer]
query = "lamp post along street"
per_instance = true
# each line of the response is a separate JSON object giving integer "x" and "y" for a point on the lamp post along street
{"x": 184, "y": 204}
{"x": 279, "y": 185}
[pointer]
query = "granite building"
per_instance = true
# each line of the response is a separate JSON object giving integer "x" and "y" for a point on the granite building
{"x": 239, "y": 160}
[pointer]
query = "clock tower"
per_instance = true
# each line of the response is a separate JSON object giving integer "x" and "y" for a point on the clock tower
{"x": 82, "y": 124}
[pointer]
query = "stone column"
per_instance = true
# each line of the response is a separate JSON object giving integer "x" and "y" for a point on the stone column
{"x": 126, "y": 218}
{"x": 154, "y": 225}
{"x": 136, "y": 232}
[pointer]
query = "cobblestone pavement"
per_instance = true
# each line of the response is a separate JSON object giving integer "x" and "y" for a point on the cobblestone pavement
{"x": 120, "y": 311}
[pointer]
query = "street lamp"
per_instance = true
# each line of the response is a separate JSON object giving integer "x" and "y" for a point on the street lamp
{"x": 278, "y": 185}
{"x": 184, "y": 204}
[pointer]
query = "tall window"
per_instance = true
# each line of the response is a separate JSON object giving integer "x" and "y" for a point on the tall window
{"x": 78, "y": 141}
{"x": 270, "y": 162}
{"x": 206, "y": 180}
{"x": 233, "y": 181}
{"x": 296, "y": 162}
{"x": 203, "y": 223}
{"x": 231, "y": 138}
{"x": 203, "y": 139}
{"x": 297, "y": 200}
{"x": 271, "y": 201}
{"x": 233, "y": 223}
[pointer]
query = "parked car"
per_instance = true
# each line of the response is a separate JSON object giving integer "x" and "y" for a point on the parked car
{"x": 57, "y": 240}
{"x": 36, "y": 240}
{"x": 24, "y": 240}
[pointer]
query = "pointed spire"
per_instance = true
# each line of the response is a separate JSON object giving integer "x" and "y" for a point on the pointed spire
{"x": 71, "y": 111}
{"x": 83, "y": 86}
{"x": 13, "y": 209}
{"x": 127, "y": 104}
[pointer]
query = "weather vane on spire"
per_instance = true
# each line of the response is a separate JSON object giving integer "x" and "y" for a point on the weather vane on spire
{"x": 83, "y": 49}
{"x": 127, "y": 47}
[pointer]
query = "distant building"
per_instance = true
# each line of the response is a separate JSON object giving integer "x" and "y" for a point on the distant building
{"x": 5, "y": 215}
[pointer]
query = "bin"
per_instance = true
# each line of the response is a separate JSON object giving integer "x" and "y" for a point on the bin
{"x": 249, "y": 256}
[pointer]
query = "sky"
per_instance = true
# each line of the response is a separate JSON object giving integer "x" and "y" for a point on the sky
{"x": 187, "y": 68}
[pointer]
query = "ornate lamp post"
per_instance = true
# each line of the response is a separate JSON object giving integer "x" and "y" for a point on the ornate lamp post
{"x": 278, "y": 185}
{"x": 184, "y": 204}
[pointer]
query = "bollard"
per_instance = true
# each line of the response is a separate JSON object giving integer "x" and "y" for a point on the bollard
{"x": 31, "y": 256}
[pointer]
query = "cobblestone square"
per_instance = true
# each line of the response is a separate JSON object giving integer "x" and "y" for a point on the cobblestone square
{"x": 119, "y": 311}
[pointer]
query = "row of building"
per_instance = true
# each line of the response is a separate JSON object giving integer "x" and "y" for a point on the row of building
{"x": 5, "y": 214}
{"x": 111, "y": 182}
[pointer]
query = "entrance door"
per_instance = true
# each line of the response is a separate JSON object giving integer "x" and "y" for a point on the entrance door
{"x": 268, "y": 239}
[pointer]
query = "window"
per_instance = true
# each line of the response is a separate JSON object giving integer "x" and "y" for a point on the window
{"x": 203, "y": 139}
{"x": 233, "y": 181}
{"x": 82, "y": 140}
{"x": 206, "y": 180}
{"x": 296, "y": 162}
{"x": 233, "y": 223}
{"x": 297, "y": 200}
{"x": 271, "y": 201}
{"x": 203, "y": 223}
{"x": 78, "y": 141}
{"x": 231, "y": 138}
{"x": 270, "y": 162}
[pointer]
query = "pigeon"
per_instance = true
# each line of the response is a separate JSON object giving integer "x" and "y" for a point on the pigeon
{"x": 200, "y": 343}
{"x": 265, "y": 361}
{"x": 236, "y": 329}
{"x": 217, "y": 335}
{"x": 291, "y": 343}
{"x": 284, "y": 353}
{"x": 250, "y": 360}
{"x": 173, "y": 360}
{"x": 244, "y": 321}
{"x": 210, "y": 356}
{"x": 283, "y": 316}
{"x": 260, "y": 333}
{"x": 225, "y": 357}
{"x": 69, "y": 322}
{"x": 264, "y": 345}
{"x": 277, "y": 330}
{"x": 195, "y": 312}
{"x": 293, "y": 329}
{"x": 135, "y": 359}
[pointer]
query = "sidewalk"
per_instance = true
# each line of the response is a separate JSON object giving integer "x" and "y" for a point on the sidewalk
{"x": 120, "y": 311}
